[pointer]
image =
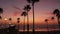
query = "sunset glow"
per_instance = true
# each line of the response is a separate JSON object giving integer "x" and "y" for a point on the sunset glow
{"x": 43, "y": 10}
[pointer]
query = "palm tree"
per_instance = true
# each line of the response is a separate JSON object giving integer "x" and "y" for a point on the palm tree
{"x": 46, "y": 20}
{"x": 57, "y": 13}
{"x": 33, "y": 2}
{"x": 24, "y": 14}
{"x": 18, "y": 20}
{"x": 10, "y": 19}
{"x": 52, "y": 18}
{"x": 1, "y": 11}
{"x": 27, "y": 9}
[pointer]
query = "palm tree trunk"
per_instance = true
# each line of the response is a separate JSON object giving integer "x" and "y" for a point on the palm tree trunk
{"x": 24, "y": 24}
{"x": 47, "y": 25}
{"x": 53, "y": 24}
{"x": 58, "y": 22}
{"x": 18, "y": 28}
{"x": 9, "y": 23}
{"x": 27, "y": 23}
{"x": 33, "y": 17}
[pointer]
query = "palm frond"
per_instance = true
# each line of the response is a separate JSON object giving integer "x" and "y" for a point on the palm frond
{"x": 24, "y": 14}
{"x": 1, "y": 10}
{"x": 29, "y": 1}
{"x": 10, "y": 19}
{"x": 46, "y": 20}
{"x": 27, "y": 8}
{"x": 56, "y": 11}
{"x": 0, "y": 17}
{"x": 18, "y": 19}
{"x": 52, "y": 18}
{"x": 36, "y": 0}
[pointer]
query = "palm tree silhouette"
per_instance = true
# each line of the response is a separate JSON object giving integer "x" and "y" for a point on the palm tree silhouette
{"x": 1, "y": 11}
{"x": 46, "y": 20}
{"x": 24, "y": 14}
{"x": 27, "y": 9}
{"x": 57, "y": 13}
{"x": 52, "y": 18}
{"x": 10, "y": 19}
{"x": 33, "y": 2}
{"x": 18, "y": 20}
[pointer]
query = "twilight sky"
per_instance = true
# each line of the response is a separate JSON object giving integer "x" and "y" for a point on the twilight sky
{"x": 43, "y": 9}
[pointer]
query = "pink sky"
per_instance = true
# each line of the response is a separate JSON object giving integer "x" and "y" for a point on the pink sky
{"x": 43, "y": 10}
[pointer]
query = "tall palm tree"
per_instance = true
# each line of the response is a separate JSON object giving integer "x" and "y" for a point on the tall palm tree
{"x": 27, "y": 9}
{"x": 18, "y": 20}
{"x": 24, "y": 14}
{"x": 1, "y": 11}
{"x": 46, "y": 20}
{"x": 33, "y": 2}
{"x": 57, "y": 13}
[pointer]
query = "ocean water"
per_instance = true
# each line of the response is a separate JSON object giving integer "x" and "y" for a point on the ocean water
{"x": 42, "y": 30}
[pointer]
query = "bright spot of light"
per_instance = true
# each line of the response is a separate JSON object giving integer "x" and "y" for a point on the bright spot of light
{"x": 5, "y": 19}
